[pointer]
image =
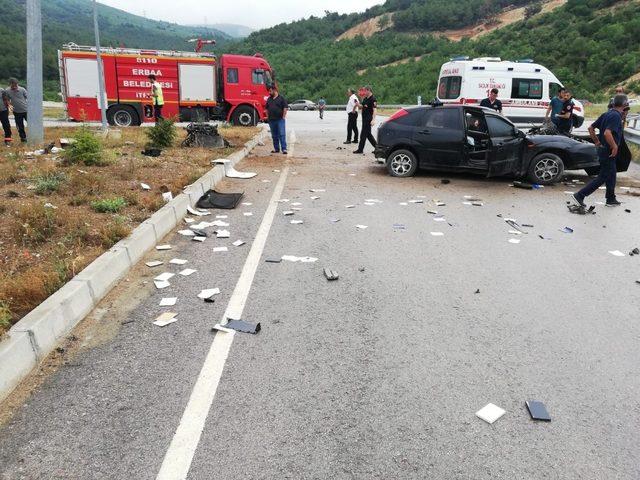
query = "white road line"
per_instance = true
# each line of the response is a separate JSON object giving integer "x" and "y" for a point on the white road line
{"x": 177, "y": 461}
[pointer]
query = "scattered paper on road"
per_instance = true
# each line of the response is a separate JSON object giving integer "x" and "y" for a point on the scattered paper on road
{"x": 247, "y": 214}
{"x": 288, "y": 212}
{"x": 161, "y": 285}
{"x": 187, "y": 271}
{"x": 314, "y": 198}
{"x": 617, "y": 253}
{"x": 208, "y": 293}
{"x": 296, "y": 204}
{"x": 177, "y": 261}
{"x": 514, "y": 240}
{"x": 221, "y": 217}
{"x": 145, "y": 186}
{"x": 163, "y": 247}
{"x": 187, "y": 233}
{"x": 168, "y": 302}
{"x": 167, "y": 196}
{"x": 404, "y": 204}
{"x": 166, "y": 319}
{"x": 349, "y": 206}
{"x": 247, "y": 204}
{"x": 223, "y": 234}
{"x": 199, "y": 239}
{"x": 238, "y": 243}
{"x": 154, "y": 263}
{"x": 220, "y": 249}
{"x": 188, "y": 220}
{"x": 296, "y": 222}
{"x": 437, "y": 234}
{"x": 361, "y": 227}
{"x": 490, "y": 413}
{"x": 163, "y": 277}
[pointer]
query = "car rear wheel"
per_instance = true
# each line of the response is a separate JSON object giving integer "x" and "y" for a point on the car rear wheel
{"x": 402, "y": 163}
{"x": 546, "y": 168}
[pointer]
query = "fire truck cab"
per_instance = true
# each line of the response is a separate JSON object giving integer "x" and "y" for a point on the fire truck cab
{"x": 196, "y": 86}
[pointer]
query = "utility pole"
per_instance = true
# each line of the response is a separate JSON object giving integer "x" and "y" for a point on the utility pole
{"x": 102, "y": 96}
{"x": 34, "y": 72}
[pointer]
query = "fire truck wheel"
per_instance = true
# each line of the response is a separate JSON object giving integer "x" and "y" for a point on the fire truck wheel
{"x": 245, "y": 116}
{"x": 123, "y": 116}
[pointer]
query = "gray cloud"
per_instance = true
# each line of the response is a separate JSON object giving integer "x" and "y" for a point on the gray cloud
{"x": 252, "y": 13}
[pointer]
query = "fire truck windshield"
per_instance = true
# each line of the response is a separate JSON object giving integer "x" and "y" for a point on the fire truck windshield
{"x": 269, "y": 78}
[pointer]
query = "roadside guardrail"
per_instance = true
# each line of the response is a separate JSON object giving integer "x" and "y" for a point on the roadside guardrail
{"x": 632, "y": 132}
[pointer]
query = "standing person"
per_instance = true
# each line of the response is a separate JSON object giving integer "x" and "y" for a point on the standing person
{"x": 277, "y": 108}
{"x": 369, "y": 109}
{"x": 609, "y": 126}
{"x": 352, "y": 114}
{"x": 321, "y": 105}
{"x": 492, "y": 101}
{"x": 619, "y": 91}
{"x": 4, "y": 117}
{"x": 555, "y": 107}
{"x": 565, "y": 122}
{"x": 158, "y": 98}
{"x": 17, "y": 95}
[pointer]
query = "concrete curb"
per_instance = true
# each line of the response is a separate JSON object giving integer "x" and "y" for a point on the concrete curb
{"x": 31, "y": 339}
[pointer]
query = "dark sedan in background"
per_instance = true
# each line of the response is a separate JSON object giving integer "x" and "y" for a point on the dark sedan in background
{"x": 463, "y": 138}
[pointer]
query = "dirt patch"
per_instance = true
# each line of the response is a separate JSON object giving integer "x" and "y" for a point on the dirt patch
{"x": 55, "y": 219}
{"x": 507, "y": 17}
{"x": 368, "y": 28}
{"x": 393, "y": 64}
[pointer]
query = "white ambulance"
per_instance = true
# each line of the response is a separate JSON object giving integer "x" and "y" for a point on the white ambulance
{"x": 525, "y": 88}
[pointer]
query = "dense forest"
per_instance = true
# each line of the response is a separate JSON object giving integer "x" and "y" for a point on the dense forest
{"x": 587, "y": 43}
{"x": 66, "y": 21}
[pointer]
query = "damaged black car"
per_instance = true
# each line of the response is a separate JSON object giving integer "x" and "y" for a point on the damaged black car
{"x": 460, "y": 138}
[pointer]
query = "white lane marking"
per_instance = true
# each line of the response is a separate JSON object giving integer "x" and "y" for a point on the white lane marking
{"x": 292, "y": 141}
{"x": 177, "y": 460}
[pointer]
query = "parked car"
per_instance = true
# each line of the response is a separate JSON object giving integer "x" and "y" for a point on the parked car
{"x": 302, "y": 105}
{"x": 463, "y": 138}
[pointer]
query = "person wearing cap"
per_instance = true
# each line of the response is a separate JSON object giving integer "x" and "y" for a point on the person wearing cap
{"x": 277, "y": 108}
{"x": 369, "y": 107}
{"x": 492, "y": 101}
{"x": 607, "y": 142}
{"x": 158, "y": 98}
{"x": 4, "y": 117}
{"x": 17, "y": 95}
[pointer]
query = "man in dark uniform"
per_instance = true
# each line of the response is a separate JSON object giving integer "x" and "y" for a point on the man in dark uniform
{"x": 565, "y": 122}
{"x": 610, "y": 129}
{"x": 4, "y": 117}
{"x": 369, "y": 106}
{"x": 277, "y": 108}
{"x": 492, "y": 102}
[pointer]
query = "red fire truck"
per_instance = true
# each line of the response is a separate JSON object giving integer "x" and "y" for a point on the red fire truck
{"x": 196, "y": 86}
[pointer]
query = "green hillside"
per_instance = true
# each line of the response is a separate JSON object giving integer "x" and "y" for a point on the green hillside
{"x": 587, "y": 43}
{"x": 71, "y": 21}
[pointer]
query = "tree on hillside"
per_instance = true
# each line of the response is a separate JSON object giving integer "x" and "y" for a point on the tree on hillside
{"x": 532, "y": 10}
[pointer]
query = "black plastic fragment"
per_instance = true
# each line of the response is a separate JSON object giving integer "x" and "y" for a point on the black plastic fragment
{"x": 523, "y": 185}
{"x": 210, "y": 300}
{"x": 273, "y": 260}
{"x": 199, "y": 233}
{"x": 528, "y": 225}
{"x": 628, "y": 210}
{"x": 152, "y": 152}
{"x": 213, "y": 199}
{"x": 331, "y": 274}
{"x": 538, "y": 411}
{"x": 241, "y": 326}
{"x": 445, "y": 181}
{"x": 477, "y": 291}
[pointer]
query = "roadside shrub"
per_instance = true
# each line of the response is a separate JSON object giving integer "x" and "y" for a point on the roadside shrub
{"x": 10, "y": 172}
{"x": 34, "y": 224}
{"x": 87, "y": 149}
{"x": 86, "y": 184}
{"x": 48, "y": 182}
{"x": 5, "y": 317}
{"x": 162, "y": 135}
{"x": 109, "y": 205}
{"x": 112, "y": 233}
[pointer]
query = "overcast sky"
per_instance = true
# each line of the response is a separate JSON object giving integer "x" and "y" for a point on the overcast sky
{"x": 252, "y": 13}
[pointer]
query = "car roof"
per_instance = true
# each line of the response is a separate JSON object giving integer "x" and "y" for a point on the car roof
{"x": 457, "y": 106}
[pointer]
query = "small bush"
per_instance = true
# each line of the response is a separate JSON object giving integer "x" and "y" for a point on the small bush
{"x": 10, "y": 172}
{"x": 87, "y": 149}
{"x": 86, "y": 184}
{"x": 109, "y": 205}
{"x": 48, "y": 182}
{"x": 5, "y": 317}
{"x": 114, "y": 232}
{"x": 162, "y": 135}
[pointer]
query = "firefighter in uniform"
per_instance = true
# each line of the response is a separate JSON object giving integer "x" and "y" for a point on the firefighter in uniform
{"x": 158, "y": 98}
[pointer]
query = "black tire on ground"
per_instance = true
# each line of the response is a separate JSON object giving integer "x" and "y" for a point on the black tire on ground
{"x": 245, "y": 116}
{"x": 592, "y": 171}
{"x": 402, "y": 163}
{"x": 546, "y": 168}
{"x": 123, "y": 116}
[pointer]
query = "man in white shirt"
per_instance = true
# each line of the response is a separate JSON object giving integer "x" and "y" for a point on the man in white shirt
{"x": 352, "y": 113}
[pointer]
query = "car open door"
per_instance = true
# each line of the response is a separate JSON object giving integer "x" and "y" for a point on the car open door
{"x": 439, "y": 138}
{"x": 507, "y": 146}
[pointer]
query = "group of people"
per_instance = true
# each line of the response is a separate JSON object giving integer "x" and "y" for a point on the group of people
{"x": 368, "y": 105}
{"x": 14, "y": 97}
{"x": 560, "y": 111}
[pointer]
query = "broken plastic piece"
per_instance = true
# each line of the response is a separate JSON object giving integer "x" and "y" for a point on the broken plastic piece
{"x": 331, "y": 274}
{"x": 231, "y": 172}
{"x": 199, "y": 233}
{"x": 567, "y": 230}
{"x": 524, "y": 185}
{"x": 490, "y": 413}
{"x": 538, "y": 411}
{"x": 273, "y": 260}
{"x": 241, "y": 326}
{"x": 213, "y": 199}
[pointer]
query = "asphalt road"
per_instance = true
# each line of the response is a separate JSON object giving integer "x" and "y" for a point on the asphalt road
{"x": 377, "y": 375}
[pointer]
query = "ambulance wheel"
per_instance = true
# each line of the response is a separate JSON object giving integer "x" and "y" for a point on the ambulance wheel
{"x": 122, "y": 116}
{"x": 546, "y": 168}
{"x": 245, "y": 116}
